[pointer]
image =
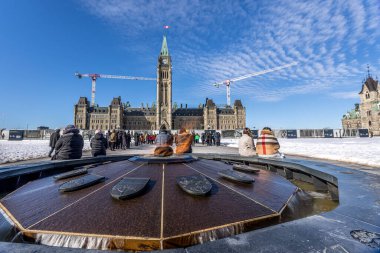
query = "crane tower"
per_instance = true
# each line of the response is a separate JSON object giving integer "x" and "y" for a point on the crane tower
{"x": 229, "y": 81}
{"x": 96, "y": 76}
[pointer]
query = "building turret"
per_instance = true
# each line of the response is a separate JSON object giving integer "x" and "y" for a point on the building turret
{"x": 81, "y": 110}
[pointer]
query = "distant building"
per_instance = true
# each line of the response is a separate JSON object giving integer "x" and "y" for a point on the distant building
{"x": 367, "y": 113}
{"x": 118, "y": 115}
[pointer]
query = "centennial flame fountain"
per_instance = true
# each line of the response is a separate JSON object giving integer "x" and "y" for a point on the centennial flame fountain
{"x": 162, "y": 216}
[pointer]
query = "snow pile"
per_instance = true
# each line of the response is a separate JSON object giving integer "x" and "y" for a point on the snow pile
{"x": 365, "y": 151}
{"x": 11, "y": 151}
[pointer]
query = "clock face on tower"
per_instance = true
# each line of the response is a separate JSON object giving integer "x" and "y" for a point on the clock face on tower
{"x": 165, "y": 61}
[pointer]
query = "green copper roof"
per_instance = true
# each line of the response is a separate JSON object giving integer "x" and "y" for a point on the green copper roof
{"x": 353, "y": 114}
{"x": 164, "y": 48}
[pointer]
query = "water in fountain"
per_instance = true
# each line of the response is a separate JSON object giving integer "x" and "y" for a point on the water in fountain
{"x": 73, "y": 241}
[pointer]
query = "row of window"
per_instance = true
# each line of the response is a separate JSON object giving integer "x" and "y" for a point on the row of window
{"x": 139, "y": 123}
{"x": 99, "y": 121}
{"x": 164, "y": 75}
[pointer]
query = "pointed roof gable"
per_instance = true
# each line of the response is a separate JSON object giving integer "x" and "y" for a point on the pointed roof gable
{"x": 116, "y": 101}
{"x": 83, "y": 101}
{"x": 371, "y": 84}
{"x": 164, "y": 48}
{"x": 209, "y": 103}
{"x": 238, "y": 103}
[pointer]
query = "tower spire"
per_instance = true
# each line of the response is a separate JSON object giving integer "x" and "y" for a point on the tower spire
{"x": 369, "y": 74}
{"x": 164, "y": 48}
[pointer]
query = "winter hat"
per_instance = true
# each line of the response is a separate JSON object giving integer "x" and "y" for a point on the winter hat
{"x": 69, "y": 127}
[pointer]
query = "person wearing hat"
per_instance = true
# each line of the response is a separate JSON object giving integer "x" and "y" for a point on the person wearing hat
{"x": 69, "y": 145}
{"x": 98, "y": 144}
{"x": 53, "y": 140}
{"x": 163, "y": 142}
{"x": 267, "y": 144}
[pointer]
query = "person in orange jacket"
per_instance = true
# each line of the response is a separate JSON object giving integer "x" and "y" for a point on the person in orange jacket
{"x": 183, "y": 142}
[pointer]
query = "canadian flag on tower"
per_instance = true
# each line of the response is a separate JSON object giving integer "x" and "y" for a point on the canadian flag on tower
{"x": 166, "y": 27}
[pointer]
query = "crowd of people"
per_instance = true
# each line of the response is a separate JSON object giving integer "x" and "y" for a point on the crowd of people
{"x": 69, "y": 145}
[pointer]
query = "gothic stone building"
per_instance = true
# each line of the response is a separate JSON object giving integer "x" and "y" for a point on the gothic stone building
{"x": 367, "y": 113}
{"x": 117, "y": 115}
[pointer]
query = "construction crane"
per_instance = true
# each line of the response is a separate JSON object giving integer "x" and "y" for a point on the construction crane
{"x": 96, "y": 76}
{"x": 229, "y": 81}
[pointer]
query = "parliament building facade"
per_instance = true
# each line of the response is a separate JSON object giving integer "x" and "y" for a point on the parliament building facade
{"x": 367, "y": 113}
{"x": 119, "y": 116}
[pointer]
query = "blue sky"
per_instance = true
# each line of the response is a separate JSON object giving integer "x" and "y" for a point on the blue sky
{"x": 43, "y": 43}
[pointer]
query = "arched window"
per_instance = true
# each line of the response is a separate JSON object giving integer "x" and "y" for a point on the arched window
{"x": 367, "y": 96}
{"x": 369, "y": 123}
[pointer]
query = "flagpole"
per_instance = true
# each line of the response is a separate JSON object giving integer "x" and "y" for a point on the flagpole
{"x": 166, "y": 27}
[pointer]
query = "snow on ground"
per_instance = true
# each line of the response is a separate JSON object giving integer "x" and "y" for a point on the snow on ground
{"x": 365, "y": 151}
{"x": 11, "y": 151}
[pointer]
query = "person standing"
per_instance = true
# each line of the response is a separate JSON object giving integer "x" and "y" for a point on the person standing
{"x": 246, "y": 144}
{"x": 98, "y": 144}
{"x": 203, "y": 138}
{"x": 196, "y": 137}
{"x": 53, "y": 140}
{"x": 113, "y": 139}
{"x": 128, "y": 139}
{"x": 136, "y": 137}
{"x": 124, "y": 140}
{"x": 108, "y": 134}
{"x": 208, "y": 139}
{"x": 120, "y": 139}
{"x": 69, "y": 145}
{"x": 213, "y": 138}
{"x": 217, "y": 138}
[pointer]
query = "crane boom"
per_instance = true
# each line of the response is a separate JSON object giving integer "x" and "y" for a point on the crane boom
{"x": 228, "y": 82}
{"x": 96, "y": 76}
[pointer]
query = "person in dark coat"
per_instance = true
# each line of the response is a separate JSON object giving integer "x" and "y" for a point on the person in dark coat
{"x": 120, "y": 139}
{"x": 69, "y": 145}
{"x": 203, "y": 138}
{"x": 136, "y": 137}
{"x": 53, "y": 140}
{"x": 208, "y": 139}
{"x": 98, "y": 144}
{"x": 128, "y": 139}
{"x": 217, "y": 139}
{"x": 124, "y": 140}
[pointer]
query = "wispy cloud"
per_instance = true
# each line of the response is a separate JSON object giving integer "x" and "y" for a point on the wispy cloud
{"x": 219, "y": 40}
{"x": 345, "y": 95}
